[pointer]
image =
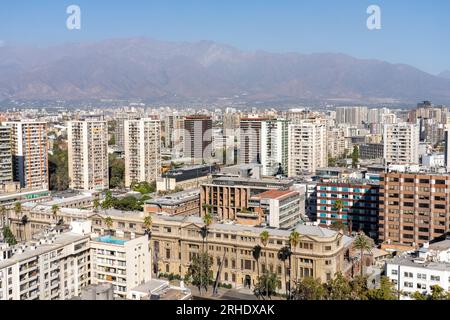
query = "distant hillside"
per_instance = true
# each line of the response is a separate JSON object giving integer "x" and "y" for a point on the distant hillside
{"x": 157, "y": 70}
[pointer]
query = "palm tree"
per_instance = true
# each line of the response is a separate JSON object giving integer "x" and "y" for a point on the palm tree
{"x": 264, "y": 237}
{"x": 18, "y": 212}
{"x": 207, "y": 220}
{"x": 148, "y": 222}
{"x": 284, "y": 255}
{"x": 294, "y": 239}
{"x": 24, "y": 222}
{"x": 109, "y": 224}
{"x": 256, "y": 252}
{"x": 207, "y": 208}
{"x": 338, "y": 207}
{"x": 96, "y": 204}
{"x": 362, "y": 243}
{"x": 55, "y": 209}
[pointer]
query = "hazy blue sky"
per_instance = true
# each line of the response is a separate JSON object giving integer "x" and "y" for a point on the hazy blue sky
{"x": 415, "y": 32}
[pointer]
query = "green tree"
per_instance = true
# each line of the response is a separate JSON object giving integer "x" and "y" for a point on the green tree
{"x": 109, "y": 223}
{"x": 144, "y": 187}
{"x": 109, "y": 201}
{"x": 339, "y": 288}
{"x": 9, "y": 236}
{"x": 55, "y": 211}
{"x": 419, "y": 296}
{"x": 355, "y": 157}
{"x": 58, "y": 166}
{"x": 359, "y": 288}
{"x": 148, "y": 222}
{"x": 294, "y": 239}
{"x": 117, "y": 169}
{"x": 256, "y": 253}
{"x": 438, "y": 293}
{"x": 385, "y": 292}
{"x": 362, "y": 243}
{"x": 284, "y": 255}
{"x": 309, "y": 289}
{"x": 199, "y": 271}
{"x": 264, "y": 237}
{"x": 267, "y": 285}
{"x": 96, "y": 204}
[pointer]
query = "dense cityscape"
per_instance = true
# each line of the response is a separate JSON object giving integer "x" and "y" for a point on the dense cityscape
{"x": 144, "y": 203}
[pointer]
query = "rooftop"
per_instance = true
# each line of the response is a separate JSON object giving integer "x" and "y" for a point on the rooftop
{"x": 275, "y": 194}
{"x": 411, "y": 261}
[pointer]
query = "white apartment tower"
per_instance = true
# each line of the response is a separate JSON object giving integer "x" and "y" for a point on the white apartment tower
{"x": 29, "y": 148}
{"x": 307, "y": 146}
{"x": 401, "y": 143}
{"x": 264, "y": 141}
{"x": 142, "y": 150}
{"x": 88, "y": 155}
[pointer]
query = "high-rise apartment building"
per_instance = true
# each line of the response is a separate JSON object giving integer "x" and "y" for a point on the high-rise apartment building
{"x": 121, "y": 117}
{"x": 352, "y": 115}
{"x": 88, "y": 155}
{"x": 198, "y": 138}
{"x": 401, "y": 143}
{"x": 6, "y": 174}
{"x": 307, "y": 147}
{"x": 174, "y": 134}
{"x": 142, "y": 150}
{"x": 29, "y": 148}
{"x": 414, "y": 208}
{"x": 264, "y": 141}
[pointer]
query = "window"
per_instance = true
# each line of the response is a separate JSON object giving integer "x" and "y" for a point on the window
{"x": 394, "y": 272}
{"x": 435, "y": 278}
{"x": 408, "y": 275}
{"x": 328, "y": 248}
{"x": 408, "y": 284}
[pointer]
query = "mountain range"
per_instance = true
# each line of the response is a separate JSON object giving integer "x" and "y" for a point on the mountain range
{"x": 142, "y": 68}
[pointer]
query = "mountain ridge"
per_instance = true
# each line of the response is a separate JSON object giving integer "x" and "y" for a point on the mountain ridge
{"x": 159, "y": 70}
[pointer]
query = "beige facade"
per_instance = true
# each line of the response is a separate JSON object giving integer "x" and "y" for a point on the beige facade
{"x": 307, "y": 147}
{"x": 29, "y": 148}
{"x": 142, "y": 150}
{"x": 88, "y": 155}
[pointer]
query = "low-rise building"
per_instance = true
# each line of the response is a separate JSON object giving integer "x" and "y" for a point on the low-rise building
{"x": 126, "y": 263}
{"x": 420, "y": 271}
{"x": 184, "y": 203}
{"x": 282, "y": 209}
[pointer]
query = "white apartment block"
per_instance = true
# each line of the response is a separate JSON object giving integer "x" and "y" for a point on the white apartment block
{"x": 428, "y": 267}
{"x": 274, "y": 146}
{"x": 124, "y": 263}
{"x": 307, "y": 147}
{"x": 142, "y": 150}
{"x": 55, "y": 267}
{"x": 264, "y": 141}
{"x": 338, "y": 142}
{"x": 351, "y": 115}
{"x": 88, "y": 155}
{"x": 29, "y": 148}
{"x": 401, "y": 143}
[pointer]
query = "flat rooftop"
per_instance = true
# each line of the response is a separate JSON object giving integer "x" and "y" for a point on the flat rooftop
{"x": 275, "y": 194}
{"x": 410, "y": 261}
